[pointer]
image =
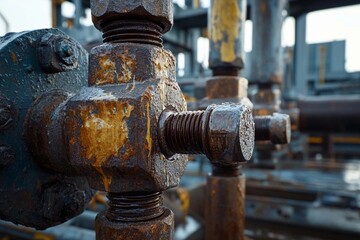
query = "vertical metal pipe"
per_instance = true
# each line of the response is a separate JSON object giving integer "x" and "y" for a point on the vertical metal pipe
{"x": 226, "y": 34}
{"x": 225, "y": 207}
{"x": 301, "y": 55}
{"x": 266, "y": 57}
{"x": 78, "y": 12}
{"x": 225, "y": 188}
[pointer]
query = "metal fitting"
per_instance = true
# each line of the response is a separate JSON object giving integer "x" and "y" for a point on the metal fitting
{"x": 224, "y": 133}
{"x": 7, "y": 156}
{"x": 276, "y": 128}
{"x": 108, "y": 15}
{"x": 161, "y": 227}
{"x": 57, "y": 53}
{"x": 22, "y": 84}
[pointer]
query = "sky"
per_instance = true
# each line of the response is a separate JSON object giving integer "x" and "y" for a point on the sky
{"x": 322, "y": 26}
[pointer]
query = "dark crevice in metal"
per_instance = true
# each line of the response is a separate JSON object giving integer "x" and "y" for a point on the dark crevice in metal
{"x": 132, "y": 31}
{"x": 222, "y": 171}
{"x": 222, "y": 71}
{"x": 262, "y": 128}
{"x": 134, "y": 207}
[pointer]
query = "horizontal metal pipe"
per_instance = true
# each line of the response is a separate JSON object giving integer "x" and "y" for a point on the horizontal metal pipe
{"x": 330, "y": 114}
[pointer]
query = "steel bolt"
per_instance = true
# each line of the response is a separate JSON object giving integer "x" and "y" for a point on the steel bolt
{"x": 57, "y": 54}
{"x": 276, "y": 128}
{"x": 134, "y": 207}
{"x": 224, "y": 133}
{"x": 7, "y": 155}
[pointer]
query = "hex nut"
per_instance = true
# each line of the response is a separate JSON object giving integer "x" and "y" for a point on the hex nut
{"x": 220, "y": 87}
{"x": 158, "y": 11}
{"x": 130, "y": 63}
{"x": 112, "y": 139}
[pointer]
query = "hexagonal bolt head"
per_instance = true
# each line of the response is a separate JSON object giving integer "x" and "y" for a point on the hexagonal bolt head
{"x": 224, "y": 133}
{"x": 57, "y": 54}
{"x": 276, "y": 128}
{"x": 7, "y": 156}
{"x": 158, "y": 11}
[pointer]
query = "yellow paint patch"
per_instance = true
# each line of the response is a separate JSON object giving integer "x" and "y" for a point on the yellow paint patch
{"x": 148, "y": 132}
{"x": 225, "y": 16}
{"x": 13, "y": 57}
{"x": 103, "y": 133}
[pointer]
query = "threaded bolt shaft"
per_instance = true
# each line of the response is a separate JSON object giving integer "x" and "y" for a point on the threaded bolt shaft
{"x": 276, "y": 128}
{"x": 132, "y": 31}
{"x": 134, "y": 207}
{"x": 183, "y": 132}
{"x": 262, "y": 128}
{"x": 224, "y": 133}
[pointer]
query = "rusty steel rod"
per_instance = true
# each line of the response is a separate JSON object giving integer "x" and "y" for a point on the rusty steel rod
{"x": 266, "y": 62}
{"x": 225, "y": 205}
{"x": 225, "y": 188}
{"x": 325, "y": 114}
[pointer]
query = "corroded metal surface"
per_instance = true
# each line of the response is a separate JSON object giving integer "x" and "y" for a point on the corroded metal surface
{"x": 266, "y": 61}
{"x": 161, "y": 228}
{"x": 225, "y": 206}
{"x": 276, "y": 128}
{"x": 224, "y": 133}
{"x": 108, "y": 133}
{"x": 30, "y": 195}
{"x": 226, "y": 29}
{"x": 329, "y": 114}
{"x": 107, "y": 12}
{"x": 221, "y": 87}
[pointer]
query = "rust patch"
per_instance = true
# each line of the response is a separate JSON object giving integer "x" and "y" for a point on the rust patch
{"x": 162, "y": 64}
{"x": 128, "y": 68}
{"x": 107, "y": 72}
{"x": 224, "y": 27}
{"x": 103, "y": 133}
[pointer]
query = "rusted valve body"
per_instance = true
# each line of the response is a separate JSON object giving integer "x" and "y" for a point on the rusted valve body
{"x": 108, "y": 133}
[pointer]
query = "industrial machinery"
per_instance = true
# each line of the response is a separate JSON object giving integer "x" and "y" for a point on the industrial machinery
{"x": 95, "y": 132}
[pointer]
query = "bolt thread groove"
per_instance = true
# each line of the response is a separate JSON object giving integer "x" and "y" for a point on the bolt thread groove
{"x": 223, "y": 71}
{"x": 134, "y": 207}
{"x": 184, "y": 131}
{"x": 262, "y": 128}
{"x": 132, "y": 31}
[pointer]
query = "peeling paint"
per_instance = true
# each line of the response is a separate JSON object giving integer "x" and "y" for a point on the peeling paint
{"x": 103, "y": 133}
{"x": 128, "y": 68}
{"x": 224, "y": 28}
{"x": 162, "y": 64}
{"x": 107, "y": 72}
